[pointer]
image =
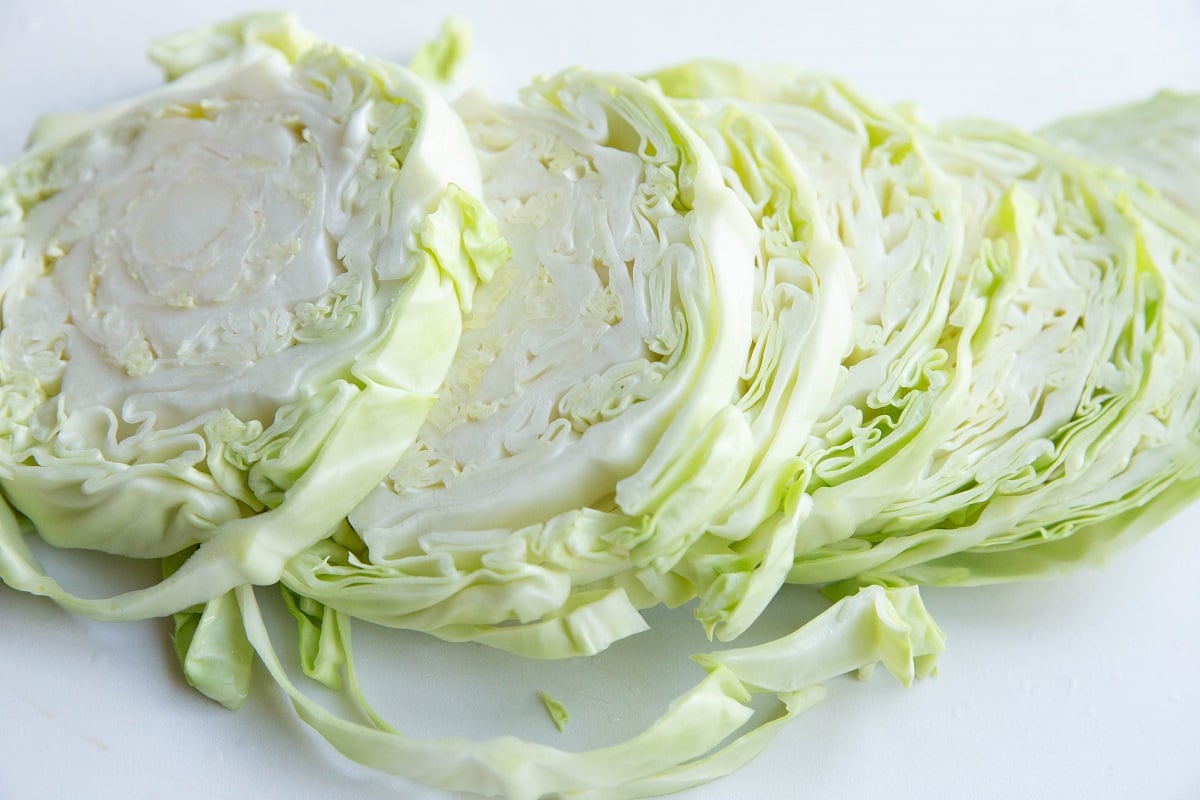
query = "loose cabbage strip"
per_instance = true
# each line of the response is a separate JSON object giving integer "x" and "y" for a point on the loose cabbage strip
{"x": 227, "y": 307}
{"x": 688, "y": 745}
{"x": 586, "y": 427}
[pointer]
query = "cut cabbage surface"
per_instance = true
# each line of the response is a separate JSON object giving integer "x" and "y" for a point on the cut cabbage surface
{"x": 227, "y": 306}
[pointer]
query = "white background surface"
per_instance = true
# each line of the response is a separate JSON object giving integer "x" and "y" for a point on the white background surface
{"x": 1081, "y": 687}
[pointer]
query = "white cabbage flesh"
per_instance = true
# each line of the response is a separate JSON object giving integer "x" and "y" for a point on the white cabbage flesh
{"x": 227, "y": 305}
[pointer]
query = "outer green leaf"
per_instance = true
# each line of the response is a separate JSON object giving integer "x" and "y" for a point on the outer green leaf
{"x": 439, "y": 58}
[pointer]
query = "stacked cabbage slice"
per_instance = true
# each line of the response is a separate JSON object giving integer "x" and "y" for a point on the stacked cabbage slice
{"x": 512, "y": 373}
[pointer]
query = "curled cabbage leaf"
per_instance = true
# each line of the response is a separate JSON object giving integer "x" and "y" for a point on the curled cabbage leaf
{"x": 706, "y": 732}
{"x": 227, "y": 306}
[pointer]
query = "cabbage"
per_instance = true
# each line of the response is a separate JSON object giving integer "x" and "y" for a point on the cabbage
{"x": 897, "y": 219}
{"x": 227, "y": 306}
{"x": 585, "y": 428}
{"x": 752, "y": 327}
{"x": 943, "y": 435}
{"x": 1098, "y": 415}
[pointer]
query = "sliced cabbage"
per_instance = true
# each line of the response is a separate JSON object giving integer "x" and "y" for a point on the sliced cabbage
{"x": 804, "y": 288}
{"x": 1129, "y": 456}
{"x": 1080, "y": 405}
{"x": 227, "y": 306}
{"x": 586, "y": 427}
{"x": 900, "y": 221}
{"x": 1009, "y": 374}
{"x": 756, "y": 328}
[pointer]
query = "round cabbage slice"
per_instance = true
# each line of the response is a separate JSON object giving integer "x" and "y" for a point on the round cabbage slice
{"x": 226, "y": 307}
{"x": 803, "y": 293}
{"x": 900, "y": 219}
{"x": 586, "y": 427}
{"x": 897, "y": 216}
